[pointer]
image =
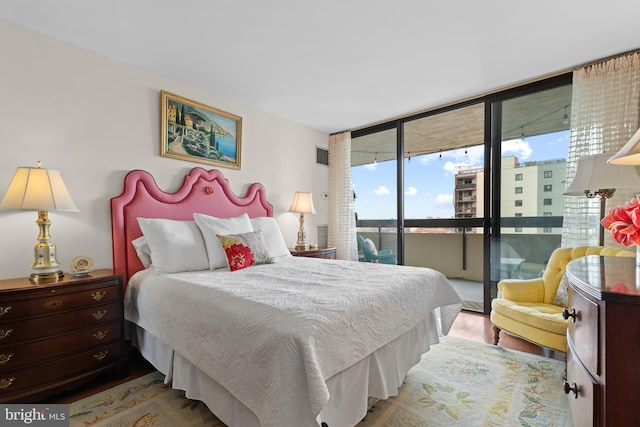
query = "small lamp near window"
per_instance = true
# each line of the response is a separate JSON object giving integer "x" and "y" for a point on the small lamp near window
{"x": 302, "y": 204}
{"x": 41, "y": 190}
{"x": 597, "y": 178}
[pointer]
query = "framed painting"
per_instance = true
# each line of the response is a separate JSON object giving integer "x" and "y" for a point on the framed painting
{"x": 199, "y": 133}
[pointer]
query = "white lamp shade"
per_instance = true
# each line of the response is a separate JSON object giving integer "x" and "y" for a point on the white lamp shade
{"x": 629, "y": 154}
{"x": 37, "y": 189}
{"x": 302, "y": 203}
{"x": 594, "y": 173}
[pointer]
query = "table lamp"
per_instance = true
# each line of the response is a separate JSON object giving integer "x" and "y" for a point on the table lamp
{"x": 595, "y": 177}
{"x": 302, "y": 204}
{"x": 41, "y": 190}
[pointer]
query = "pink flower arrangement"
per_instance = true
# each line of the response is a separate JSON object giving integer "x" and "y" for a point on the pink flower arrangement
{"x": 624, "y": 223}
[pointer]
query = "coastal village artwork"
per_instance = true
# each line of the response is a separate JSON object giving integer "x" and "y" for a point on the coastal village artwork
{"x": 196, "y": 132}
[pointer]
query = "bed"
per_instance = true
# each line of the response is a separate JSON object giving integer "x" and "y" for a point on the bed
{"x": 290, "y": 341}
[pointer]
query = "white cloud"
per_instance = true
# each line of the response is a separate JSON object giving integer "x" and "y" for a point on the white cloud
{"x": 381, "y": 191}
{"x": 411, "y": 191}
{"x": 426, "y": 159}
{"x": 371, "y": 166}
{"x": 518, "y": 147}
{"x": 463, "y": 158}
{"x": 444, "y": 199}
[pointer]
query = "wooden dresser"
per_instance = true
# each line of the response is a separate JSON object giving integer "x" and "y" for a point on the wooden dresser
{"x": 55, "y": 336}
{"x": 604, "y": 341}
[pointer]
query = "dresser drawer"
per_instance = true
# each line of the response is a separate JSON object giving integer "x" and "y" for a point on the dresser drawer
{"x": 585, "y": 331}
{"x": 583, "y": 404}
{"x": 46, "y": 327}
{"x": 13, "y": 357}
{"x": 13, "y": 382}
{"x": 56, "y": 300}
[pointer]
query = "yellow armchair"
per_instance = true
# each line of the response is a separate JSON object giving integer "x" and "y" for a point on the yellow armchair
{"x": 526, "y": 307}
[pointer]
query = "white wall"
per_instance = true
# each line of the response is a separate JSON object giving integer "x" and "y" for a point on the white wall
{"x": 94, "y": 119}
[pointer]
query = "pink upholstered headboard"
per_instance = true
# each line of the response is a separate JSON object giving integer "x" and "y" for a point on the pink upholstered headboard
{"x": 203, "y": 191}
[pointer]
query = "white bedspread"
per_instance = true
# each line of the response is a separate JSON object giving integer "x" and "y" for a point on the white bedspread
{"x": 272, "y": 334}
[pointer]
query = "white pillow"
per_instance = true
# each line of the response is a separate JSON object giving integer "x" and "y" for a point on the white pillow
{"x": 371, "y": 246}
{"x": 175, "y": 245}
{"x": 211, "y": 226}
{"x": 272, "y": 235}
{"x": 142, "y": 250}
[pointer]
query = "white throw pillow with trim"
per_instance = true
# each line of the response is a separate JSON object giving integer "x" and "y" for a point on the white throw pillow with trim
{"x": 272, "y": 235}
{"x": 211, "y": 226}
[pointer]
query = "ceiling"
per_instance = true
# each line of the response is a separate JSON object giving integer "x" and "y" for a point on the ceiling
{"x": 340, "y": 64}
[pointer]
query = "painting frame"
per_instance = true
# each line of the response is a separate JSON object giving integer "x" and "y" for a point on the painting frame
{"x": 195, "y": 132}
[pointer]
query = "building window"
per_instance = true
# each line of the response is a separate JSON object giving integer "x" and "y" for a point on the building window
{"x": 518, "y": 190}
{"x": 518, "y": 202}
{"x": 546, "y": 214}
{"x": 518, "y": 177}
{"x": 548, "y": 174}
{"x": 547, "y": 202}
{"x": 546, "y": 230}
{"x": 548, "y": 187}
{"x": 518, "y": 214}
{"x": 518, "y": 230}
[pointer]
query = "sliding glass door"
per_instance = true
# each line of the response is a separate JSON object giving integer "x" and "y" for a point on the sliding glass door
{"x": 375, "y": 176}
{"x": 533, "y": 161}
{"x": 444, "y": 171}
{"x": 473, "y": 190}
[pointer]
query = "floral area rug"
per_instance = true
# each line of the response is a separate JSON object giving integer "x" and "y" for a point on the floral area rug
{"x": 457, "y": 383}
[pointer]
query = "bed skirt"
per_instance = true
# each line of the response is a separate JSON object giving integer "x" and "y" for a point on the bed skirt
{"x": 352, "y": 391}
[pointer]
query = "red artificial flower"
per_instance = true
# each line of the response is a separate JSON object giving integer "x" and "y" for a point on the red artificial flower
{"x": 624, "y": 223}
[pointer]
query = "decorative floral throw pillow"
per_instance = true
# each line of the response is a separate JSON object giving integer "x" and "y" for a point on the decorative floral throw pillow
{"x": 245, "y": 249}
{"x": 562, "y": 295}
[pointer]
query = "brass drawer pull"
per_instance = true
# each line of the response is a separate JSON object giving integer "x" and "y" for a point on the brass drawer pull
{"x": 100, "y": 335}
{"x": 101, "y": 355}
{"x": 99, "y": 314}
{"x": 568, "y": 388}
{"x": 4, "y": 358}
{"x": 4, "y": 334}
{"x": 6, "y": 382}
{"x": 4, "y": 310}
{"x": 98, "y": 295}
{"x": 566, "y": 314}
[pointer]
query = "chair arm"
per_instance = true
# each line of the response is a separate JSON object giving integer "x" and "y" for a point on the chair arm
{"x": 386, "y": 258}
{"x": 522, "y": 290}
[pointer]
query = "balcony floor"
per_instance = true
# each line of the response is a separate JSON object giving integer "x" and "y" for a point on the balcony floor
{"x": 471, "y": 293}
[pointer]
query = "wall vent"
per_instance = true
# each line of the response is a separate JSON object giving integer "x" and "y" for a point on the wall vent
{"x": 322, "y": 156}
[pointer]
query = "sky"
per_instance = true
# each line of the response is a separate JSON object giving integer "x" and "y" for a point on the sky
{"x": 429, "y": 179}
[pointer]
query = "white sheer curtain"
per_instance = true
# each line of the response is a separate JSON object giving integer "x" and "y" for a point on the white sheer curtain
{"x": 605, "y": 113}
{"x": 342, "y": 212}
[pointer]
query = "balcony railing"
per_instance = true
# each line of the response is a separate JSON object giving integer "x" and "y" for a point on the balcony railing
{"x": 456, "y": 246}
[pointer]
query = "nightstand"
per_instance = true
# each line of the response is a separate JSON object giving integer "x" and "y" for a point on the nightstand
{"x": 326, "y": 253}
{"x": 54, "y": 336}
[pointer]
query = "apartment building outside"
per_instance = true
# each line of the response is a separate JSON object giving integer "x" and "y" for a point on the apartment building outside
{"x": 528, "y": 189}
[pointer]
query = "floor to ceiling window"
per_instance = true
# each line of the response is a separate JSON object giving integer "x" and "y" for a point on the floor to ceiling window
{"x": 473, "y": 190}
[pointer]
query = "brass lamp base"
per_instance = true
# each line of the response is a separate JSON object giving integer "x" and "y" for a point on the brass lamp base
{"x": 45, "y": 266}
{"x": 301, "y": 245}
{"x": 45, "y": 277}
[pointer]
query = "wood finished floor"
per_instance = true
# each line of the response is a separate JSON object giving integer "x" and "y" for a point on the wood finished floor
{"x": 468, "y": 325}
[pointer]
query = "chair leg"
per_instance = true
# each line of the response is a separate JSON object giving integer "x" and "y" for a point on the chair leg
{"x": 496, "y": 335}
